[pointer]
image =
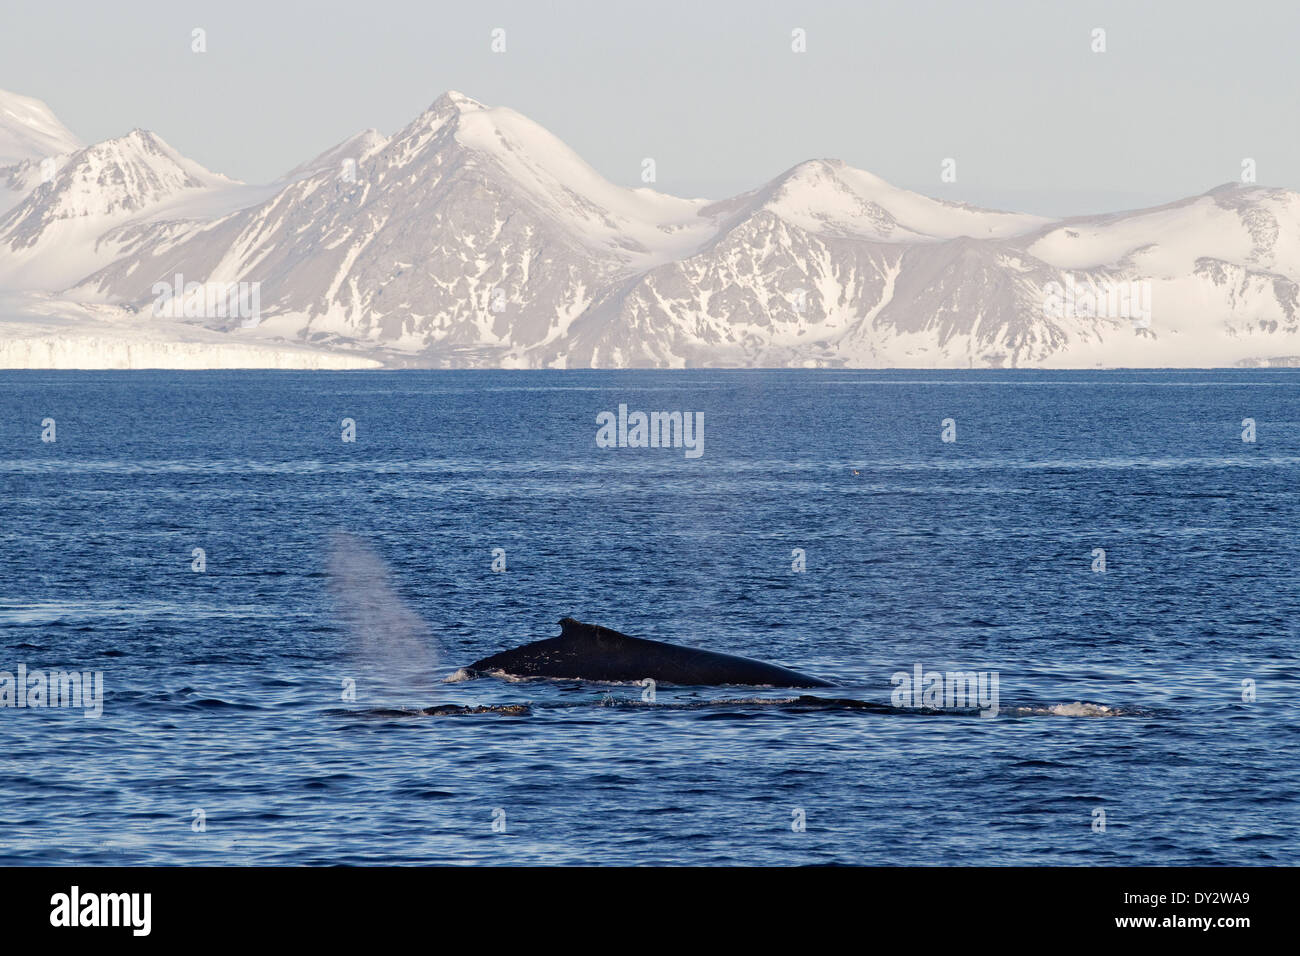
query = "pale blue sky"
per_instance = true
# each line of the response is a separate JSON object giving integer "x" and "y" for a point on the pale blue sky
{"x": 710, "y": 89}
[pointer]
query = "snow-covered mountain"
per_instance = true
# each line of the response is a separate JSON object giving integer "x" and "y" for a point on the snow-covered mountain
{"x": 342, "y": 158}
{"x": 1213, "y": 281}
{"x": 33, "y": 144}
{"x": 29, "y": 130}
{"x": 473, "y": 237}
{"x": 68, "y": 210}
{"x": 68, "y": 224}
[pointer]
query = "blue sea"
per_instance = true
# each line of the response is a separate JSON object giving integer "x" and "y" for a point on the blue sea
{"x": 272, "y": 609}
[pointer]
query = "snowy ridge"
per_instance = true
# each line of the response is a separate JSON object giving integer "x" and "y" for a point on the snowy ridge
{"x": 638, "y": 225}
{"x": 473, "y": 237}
{"x": 355, "y": 148}
{"x": 826, "y": 197}
{"x": 117, "y": 178}
{"x": 29, "y": 130}
{"x": 58, "y": 232}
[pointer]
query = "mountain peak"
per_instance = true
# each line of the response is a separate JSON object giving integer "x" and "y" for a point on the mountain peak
{"x": 446, "y": 111}
{"x": 454, "y": 100}
{"x": 110, "y": 181}
{"x": 145, "y": 149}
{"x": 356, "y": 148}
{"x": 830, "y": 197}
{"x": 30, "y": 130}
{"x": 142, "y": 138}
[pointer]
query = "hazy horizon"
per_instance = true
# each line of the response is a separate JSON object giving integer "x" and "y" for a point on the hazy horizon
{"x": 1013, "y": 92}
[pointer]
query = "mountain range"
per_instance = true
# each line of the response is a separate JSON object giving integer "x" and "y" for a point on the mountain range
{"x": 473, "y": 237}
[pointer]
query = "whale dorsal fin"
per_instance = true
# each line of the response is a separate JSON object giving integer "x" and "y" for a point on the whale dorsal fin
{"x": 574, "y": 629}
{"x": 570, "y": 627}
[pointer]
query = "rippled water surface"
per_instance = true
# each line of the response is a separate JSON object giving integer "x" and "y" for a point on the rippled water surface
{"x": 371, "y": 562}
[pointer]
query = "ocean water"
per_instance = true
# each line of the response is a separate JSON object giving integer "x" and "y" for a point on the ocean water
{"x": 229, "y": 733}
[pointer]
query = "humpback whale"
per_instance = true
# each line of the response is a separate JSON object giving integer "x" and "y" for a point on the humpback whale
{"x": 588, "y": 652}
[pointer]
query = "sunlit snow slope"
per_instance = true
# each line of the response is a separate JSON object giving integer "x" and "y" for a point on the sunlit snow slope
{"x": 473, "y": 237}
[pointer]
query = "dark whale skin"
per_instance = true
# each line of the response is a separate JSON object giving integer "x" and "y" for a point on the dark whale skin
{"x": 589, "y": 652}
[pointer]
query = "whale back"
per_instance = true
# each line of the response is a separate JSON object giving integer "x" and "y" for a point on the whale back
{"x": 590, "y": 652}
